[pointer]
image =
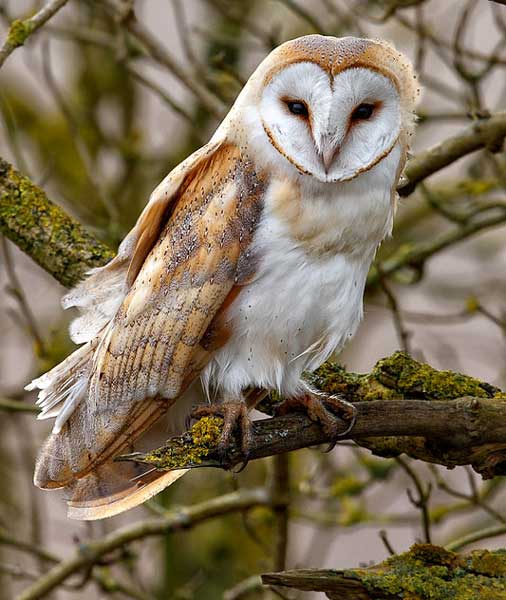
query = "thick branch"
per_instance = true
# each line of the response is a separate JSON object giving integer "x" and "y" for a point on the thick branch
{"x": 424, "y": 572}
{"x": 55, "y": 241}
{"x": 402, "y": 407}
{"x": 20, "y": 30}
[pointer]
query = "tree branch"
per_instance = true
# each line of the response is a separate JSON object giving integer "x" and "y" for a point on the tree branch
{"x": 403, "y": 407}
{"x": 414, "y": 256}
{"x": 425, "y": 571}
{"x": 21, "y": 30}
{"x": 55, "y": 241}
{"x": 483, "y": 133}
{"x": 8, "y": 405}
{"x": 184, "y": 517}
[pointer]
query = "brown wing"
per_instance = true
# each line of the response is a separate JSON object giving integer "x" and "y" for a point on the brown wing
{"x": 153, "y": 348}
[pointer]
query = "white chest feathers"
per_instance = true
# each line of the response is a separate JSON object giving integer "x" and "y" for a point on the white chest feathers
{"x": 315, "y": 246}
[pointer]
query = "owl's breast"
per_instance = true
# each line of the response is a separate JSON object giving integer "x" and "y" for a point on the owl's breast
{"x": 315, "y": 248}
{"x": 290, "y": 318}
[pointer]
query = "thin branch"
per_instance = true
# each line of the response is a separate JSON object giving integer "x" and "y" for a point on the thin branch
{"x": 160, "y": 54}
{"x": 20, "y": 31}
{"x": 184, "y": 517}
{"x": 414, "y": 256}
{"x": 8, "y": 405}
{"x": 422, "y": 502}
{"x": 484, "y": 133}
{"x": 305, "y": 15}
{"x": 16, "y": 290}
{"x": 102, "y": 577}
{"x": 476, "y": 536}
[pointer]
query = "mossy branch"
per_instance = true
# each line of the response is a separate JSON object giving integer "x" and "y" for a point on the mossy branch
{"x": 403, "y": 407}
{"x": 426, "y": 572}
{"x": 53, "y": 239}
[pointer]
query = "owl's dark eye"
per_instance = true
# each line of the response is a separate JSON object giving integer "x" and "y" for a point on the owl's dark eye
{"x": 297, "y": 108}
{"x": 362, "y": 112}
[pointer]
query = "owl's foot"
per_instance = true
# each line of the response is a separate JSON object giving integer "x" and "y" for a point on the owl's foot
{"x": 324, "y": 409}
{"x": 234, "y": 415}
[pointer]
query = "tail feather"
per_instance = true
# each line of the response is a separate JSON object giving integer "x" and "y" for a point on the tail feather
{"x": 95, "y": 485}
{"x": 115, "y": 487}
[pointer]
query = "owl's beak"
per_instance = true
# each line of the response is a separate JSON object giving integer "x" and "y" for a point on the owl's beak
{"x": 329, "y": 154}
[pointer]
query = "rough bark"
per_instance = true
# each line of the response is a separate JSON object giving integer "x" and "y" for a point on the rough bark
{"x": 53, "y": 239}
{"x": 426, "y": 572}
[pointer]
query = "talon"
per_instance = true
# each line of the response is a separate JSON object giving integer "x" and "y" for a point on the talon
{"x": 233, "y": 414}
{"x": 338, "y": 405}
{"x": 323, "y": 409}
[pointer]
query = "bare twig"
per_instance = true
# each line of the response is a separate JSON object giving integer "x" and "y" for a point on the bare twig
{"x": 476, "y": 536}
{"x": 16, "y": 290}
{"x": 415, "y": 256}
{"x": 8, "y": 405}
{"x": 90, "y": 553}
{"x": 160, "y": 54}
{"x": 484, "y": 133}
{"x": 20, "y": 30}
{"x": 422, "y": 501}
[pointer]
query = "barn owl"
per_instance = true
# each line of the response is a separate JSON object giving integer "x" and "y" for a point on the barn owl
{"x": 246, "y": 268}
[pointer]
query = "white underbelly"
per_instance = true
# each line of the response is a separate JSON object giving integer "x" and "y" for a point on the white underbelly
{"x": 290, "y": 319}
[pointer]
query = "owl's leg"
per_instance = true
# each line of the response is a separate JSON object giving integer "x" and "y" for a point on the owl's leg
{"x": 323, "y": 409}
{"x": 235, "y": 415}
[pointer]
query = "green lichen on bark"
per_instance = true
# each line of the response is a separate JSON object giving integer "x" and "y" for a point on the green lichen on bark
{"x": 19, "y": 31}
{"x": 398, "y": 377}
{"x": 425, "y": 572}
{"x": 57, "y": 242}
{"x": 432, "y": 573}
{"x": 190, "y": 449}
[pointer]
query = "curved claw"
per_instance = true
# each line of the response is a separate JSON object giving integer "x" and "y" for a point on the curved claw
{"x": 323, "y": 409}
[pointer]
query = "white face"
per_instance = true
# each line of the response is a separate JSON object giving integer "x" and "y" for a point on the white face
{"x": 331, "y": 128}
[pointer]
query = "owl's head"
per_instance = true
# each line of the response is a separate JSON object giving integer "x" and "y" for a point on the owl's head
{"x": 332, "y": 107}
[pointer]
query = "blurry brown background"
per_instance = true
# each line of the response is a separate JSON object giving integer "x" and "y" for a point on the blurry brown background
{"x": 97, "y": 122}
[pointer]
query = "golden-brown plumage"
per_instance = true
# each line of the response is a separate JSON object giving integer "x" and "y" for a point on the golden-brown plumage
{"x": 184, "y": 271}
